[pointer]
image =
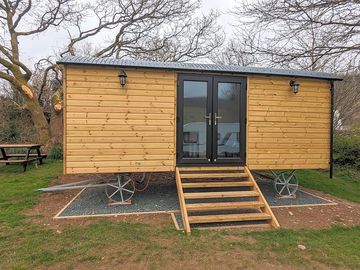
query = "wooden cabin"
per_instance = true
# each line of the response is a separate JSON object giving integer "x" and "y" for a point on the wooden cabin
{"x": 137, "y": 116}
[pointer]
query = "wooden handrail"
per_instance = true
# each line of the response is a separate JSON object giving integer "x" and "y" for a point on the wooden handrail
{"x": 184, "y": 214}
{"x": 274, "y": 221}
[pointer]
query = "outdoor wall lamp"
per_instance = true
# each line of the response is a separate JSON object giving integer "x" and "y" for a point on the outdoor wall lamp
{"x": 122, "y": 76}
{"x": 294, "y": 86}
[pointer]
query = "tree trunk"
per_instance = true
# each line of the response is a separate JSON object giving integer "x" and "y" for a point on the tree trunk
{"x": 56, "y": 127}
{"x": 41, "y": 124}
{"x": 37, "y": 115}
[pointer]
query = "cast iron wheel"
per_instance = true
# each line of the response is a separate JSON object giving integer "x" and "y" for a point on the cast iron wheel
{"x": 122, "y": 190}
{"x": 286, "y": 183}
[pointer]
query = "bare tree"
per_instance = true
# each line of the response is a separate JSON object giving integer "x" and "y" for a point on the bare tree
{"x": 347, "y": 101}
{"x": 307, "y": 34}
{"x": 25, "y": 18}
{"x": 151, "y": 29}
{"x": 239, "y": 51}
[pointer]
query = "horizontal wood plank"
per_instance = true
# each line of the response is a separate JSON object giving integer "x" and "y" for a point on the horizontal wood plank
{"x": 213, "y": 175}
{"x": 229, "y": 218}
{"x": 217, "y": 184}
{"x": 120, "y": 163}
{"x": 220, "y": 194}
{"x": 192, "y": 207}
{"x": 286, "y": 130}
{"x": 110, "y": 128}
{"x": 119, "y": 169}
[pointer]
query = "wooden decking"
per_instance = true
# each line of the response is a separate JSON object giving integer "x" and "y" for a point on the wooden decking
{"x": 220, "y": 195}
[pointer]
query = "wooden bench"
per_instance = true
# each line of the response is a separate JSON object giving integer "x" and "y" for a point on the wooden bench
{"x": 21, "y": 159}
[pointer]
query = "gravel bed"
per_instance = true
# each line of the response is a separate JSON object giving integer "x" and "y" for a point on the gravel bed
{"x": 162, "y": 196}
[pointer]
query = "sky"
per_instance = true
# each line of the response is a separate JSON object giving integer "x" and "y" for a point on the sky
{"x": 36, "y": 47}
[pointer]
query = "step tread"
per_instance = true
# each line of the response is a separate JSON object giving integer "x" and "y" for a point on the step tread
{"x": 223, "y": 206}
{"x": 224, "y": 168}
{"x": 213, "y": 175}
{"x": 217, "y": 184}
{"x": 229, "y": 218}
{"x": 220, "y": 194}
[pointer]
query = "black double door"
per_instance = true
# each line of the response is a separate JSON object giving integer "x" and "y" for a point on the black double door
{"x": 211, "y": 115}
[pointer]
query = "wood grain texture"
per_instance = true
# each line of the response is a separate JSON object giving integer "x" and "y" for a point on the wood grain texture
{"x": 288, "y": 131}
{"x": 109, "y": 128}
{"x": 112, "y": 129}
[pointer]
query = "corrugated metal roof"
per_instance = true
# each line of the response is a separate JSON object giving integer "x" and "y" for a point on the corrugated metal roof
{"x": 82, "y": 60}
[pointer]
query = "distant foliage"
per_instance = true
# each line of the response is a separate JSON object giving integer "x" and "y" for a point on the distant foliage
{"x": 16, "y": 125}
{"x": 347, "y": 150}
{"x": 56, "y": 152}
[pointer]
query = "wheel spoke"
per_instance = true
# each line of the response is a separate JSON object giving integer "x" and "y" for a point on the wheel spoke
{"x": 280, "y": 180}
{"x": 130, "y": 191}
{"x": 122, "y": 197}
{"x": 127, "y": 182}
{"x": 282, "y": 190}
{"x": 113, "y": 193}
{"x": 113, "y": 186}
{"x": 119, "y": 180}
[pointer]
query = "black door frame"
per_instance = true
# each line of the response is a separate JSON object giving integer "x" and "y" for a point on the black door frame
{"x": 211, "y": 130}
{"x": 242, "y": 119}
{"x": 180, "y": 111}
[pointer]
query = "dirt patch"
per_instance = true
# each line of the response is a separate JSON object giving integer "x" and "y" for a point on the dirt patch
{"x": 344, "y": 213}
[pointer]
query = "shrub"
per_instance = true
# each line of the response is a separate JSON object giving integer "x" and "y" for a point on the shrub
{"x": 347, "y": 150}
{"x": 16, "y": 125}
{"x": 56, "y": 152}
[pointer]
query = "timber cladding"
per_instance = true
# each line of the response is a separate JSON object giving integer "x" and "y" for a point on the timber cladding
{"x": 287, "y": 130}
{"x": 110, "y": 128}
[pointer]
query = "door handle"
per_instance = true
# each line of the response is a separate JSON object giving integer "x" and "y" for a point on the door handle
{"x": 209, "y": 118}
{"x": 216, "y": 118}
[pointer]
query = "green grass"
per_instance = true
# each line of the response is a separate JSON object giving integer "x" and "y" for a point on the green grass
{"x": 345, "y": 183}
{"x": 109, "y": 244}
{"x": 338, "y": 246}
{"x": 18, "y": 189}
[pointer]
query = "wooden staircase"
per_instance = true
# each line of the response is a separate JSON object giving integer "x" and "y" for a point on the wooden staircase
{"x": 220, "y": 195}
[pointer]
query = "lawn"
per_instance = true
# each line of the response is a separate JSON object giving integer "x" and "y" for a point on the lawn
{"x": 112, "y": 244}
{"x": 345, "y": 183}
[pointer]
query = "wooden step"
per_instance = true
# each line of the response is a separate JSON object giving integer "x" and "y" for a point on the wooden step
{"x": 213, "y": 175}
{"x": 222, "y": 194}
{"x": 217, "y": 184}
{"x": 193, "y": 169}
{"x": 229, "y": 218}
{"x": 193, "y": 207}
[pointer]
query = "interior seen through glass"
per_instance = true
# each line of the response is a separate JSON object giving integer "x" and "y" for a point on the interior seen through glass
{"x": 228, "y": 123}
{"x": 194, "y": 129}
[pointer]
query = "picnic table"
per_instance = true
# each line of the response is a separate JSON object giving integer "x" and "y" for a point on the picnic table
{"x": 22, "y": 159}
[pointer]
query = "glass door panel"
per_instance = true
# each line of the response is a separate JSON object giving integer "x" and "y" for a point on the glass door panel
{"x": 211, "y": 119}
{"x": 195, "y": 94}
{"x": 229, "y": 118}
{"x": 195, "y": 125}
